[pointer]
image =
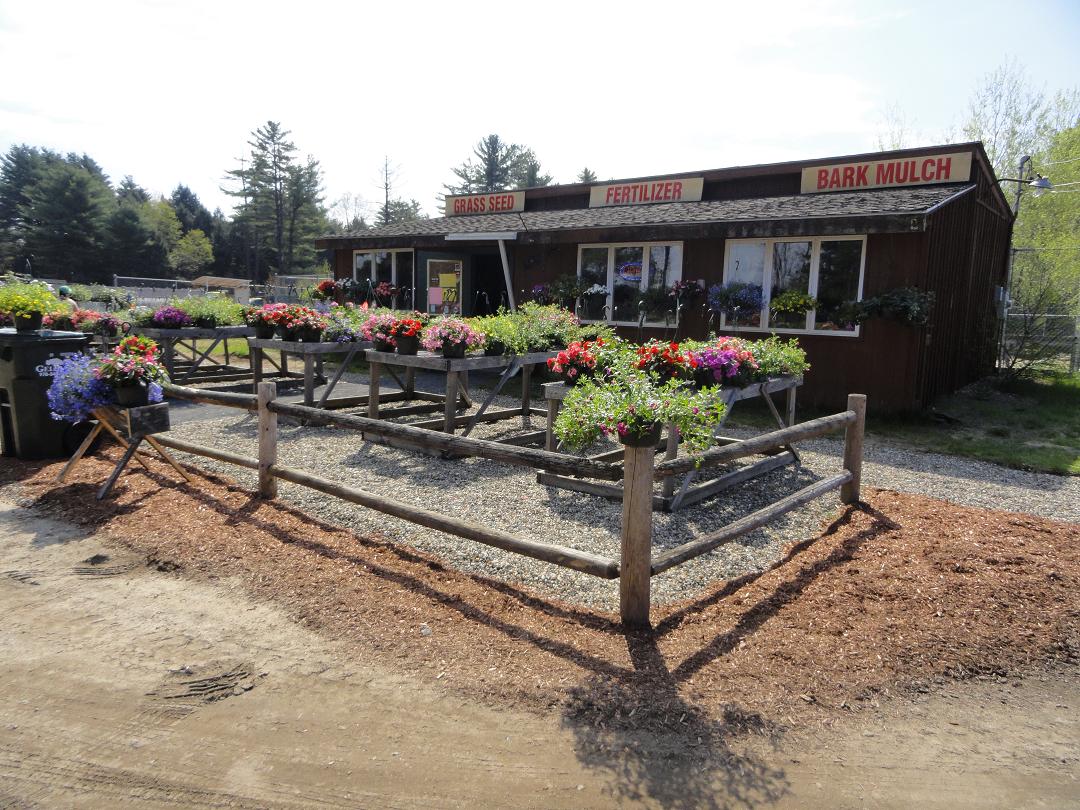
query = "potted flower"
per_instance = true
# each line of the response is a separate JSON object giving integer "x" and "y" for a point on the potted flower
{"x": 685, "y": 291}
{"x": 131, "y": 369}
{"x": 667, "y": 361}
{"x": 324, "y": 290}
{"x": 264, "y": 319}
{"x": 385, "y": 293}
{"x": 76, "y": 390}
{"x": 633, "y": 408}
{"x": 170, "y": 317}
{"x": 378, "y": 328}
{"x": 576, "y": 361}
{"x": 406, "y": 334}
{"x": 728, "y": 361}
{"x": 789, "y": 309}
{"x": 28, "y": 303}
{"x": 452, "y": 336}
{"x": 737, "y": 301}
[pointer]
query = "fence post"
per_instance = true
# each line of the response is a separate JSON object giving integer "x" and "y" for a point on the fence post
{"x": 853, "y": 442}
{"x": 268, "y": 435}
{"x": 636, "y": 564}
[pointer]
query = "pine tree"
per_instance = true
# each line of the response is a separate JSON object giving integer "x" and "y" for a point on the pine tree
{"x": 586, "y": 175}
{"x": 190, "y": 211}
{"x": 130, "y": 193}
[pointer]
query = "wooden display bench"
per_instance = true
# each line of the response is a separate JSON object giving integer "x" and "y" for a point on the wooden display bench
{"x": 312, "y": 355}
{"x": 130, "y": 427}
{"x": 457, "y": 389}
{"x": 187, "y": 365}
{"x": 673, "y": 495}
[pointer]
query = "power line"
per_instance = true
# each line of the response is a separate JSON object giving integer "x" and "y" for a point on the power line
{"x": 1058, "y": 162}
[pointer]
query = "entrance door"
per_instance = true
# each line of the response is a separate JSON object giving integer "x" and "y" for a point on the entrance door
{"x": 488, "y": 285}
{"x": 444, "y": 286}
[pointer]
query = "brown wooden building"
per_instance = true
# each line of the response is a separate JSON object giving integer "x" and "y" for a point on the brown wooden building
{"x": 838, "y": 229}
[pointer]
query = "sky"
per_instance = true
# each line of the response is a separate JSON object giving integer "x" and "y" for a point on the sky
{"x": 168, "y": 92}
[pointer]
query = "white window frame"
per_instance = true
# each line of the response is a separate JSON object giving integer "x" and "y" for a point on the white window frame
{"x": 393, "y": 260}
{"x": 609, "y": 298}
{"x": 766, "y": 286}
{"x": 394, "y": 252}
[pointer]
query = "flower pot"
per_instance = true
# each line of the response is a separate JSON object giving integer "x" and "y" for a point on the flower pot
{"x": 108, "y": 331}
{"x": 495, "y": 348}
{"x": 704, "y": 378}
{"x": 408, "y": 344}
{"x": 384, "y": 345}
{"x": 29, "y": 323}
{"x": 264, "y": 331}
{"x": 454, "y": 351}
{"x": 650, "y": 438}
{"x": 286, "y": 334}
{"x": 310, "y": 334}
{"x": 132, "y": 396}
{"x": 206, "y": 323}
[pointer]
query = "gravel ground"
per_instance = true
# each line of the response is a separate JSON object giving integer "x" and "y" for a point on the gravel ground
{"x": 508, "y": 498}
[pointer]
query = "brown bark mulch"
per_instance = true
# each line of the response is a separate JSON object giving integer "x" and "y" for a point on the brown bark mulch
{"x": 894, "y": 595}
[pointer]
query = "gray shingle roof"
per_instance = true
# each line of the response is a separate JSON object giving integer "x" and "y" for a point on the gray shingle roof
{"x": 877, "y": 202}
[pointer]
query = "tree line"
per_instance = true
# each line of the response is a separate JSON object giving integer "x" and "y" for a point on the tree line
{"x": 61, "y": 216}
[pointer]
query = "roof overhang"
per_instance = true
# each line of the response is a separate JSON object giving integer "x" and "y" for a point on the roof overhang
{"x": 489, "y": 236}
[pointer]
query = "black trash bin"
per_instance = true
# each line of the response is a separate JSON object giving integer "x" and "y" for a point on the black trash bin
{"x": 27, "y": 361}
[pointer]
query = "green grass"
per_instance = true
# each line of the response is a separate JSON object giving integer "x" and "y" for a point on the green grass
{"x": 1027, "y": 424}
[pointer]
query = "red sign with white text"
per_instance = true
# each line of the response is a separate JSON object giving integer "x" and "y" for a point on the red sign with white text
{"x": 926, "y": 170}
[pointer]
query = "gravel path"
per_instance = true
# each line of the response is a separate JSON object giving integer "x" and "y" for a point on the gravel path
{"x": 509, "y": 498}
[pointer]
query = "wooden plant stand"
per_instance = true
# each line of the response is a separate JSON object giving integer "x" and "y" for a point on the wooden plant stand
{"x": 200, "y": 367}
{"x": 672, "y": 495}
{"x": 312, "y": 354}
{"x": 457, "y": 387}
{"x": 139, "y": 425}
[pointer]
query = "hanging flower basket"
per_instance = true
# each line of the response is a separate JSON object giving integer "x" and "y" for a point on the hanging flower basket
{"x": 644, "y": 437}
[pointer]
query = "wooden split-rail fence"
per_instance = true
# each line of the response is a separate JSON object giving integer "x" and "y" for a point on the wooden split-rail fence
{"x": 636, "y": 564}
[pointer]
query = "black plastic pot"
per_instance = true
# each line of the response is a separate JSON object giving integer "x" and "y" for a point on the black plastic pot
{"x": 132, "y": 396}
{"x": 651, "y": 438}
{"x": 454, "y": 351}
{"x": 408, "y": 344}
{"x": 30, "y": 323}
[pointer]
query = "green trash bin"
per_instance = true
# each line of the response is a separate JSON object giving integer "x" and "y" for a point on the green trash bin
{"x": 27, "y": 361}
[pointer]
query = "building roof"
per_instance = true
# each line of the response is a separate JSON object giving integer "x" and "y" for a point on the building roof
{"x": 221, "y": 281}
{"x": 870, "y": 203}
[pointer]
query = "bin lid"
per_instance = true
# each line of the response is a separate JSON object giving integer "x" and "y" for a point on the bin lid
{"x": 9, "y": 336}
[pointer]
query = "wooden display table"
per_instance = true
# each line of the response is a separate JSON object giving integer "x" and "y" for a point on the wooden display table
{"x": 688, "y": 492}
{"x": 312, "y": 354}
{"x": 200, "y": 366}
{"x": 457, "y": 385}
{"x": 130, "y": 427}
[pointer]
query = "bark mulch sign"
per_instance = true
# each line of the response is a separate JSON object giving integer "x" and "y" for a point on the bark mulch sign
{"x": 892, "y": 595}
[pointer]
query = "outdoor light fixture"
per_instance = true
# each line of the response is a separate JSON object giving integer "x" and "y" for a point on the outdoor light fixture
{"x": 1040, "y": 185}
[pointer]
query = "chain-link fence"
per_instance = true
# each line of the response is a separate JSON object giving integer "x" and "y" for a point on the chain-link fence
{"x": 1050, "y": 342}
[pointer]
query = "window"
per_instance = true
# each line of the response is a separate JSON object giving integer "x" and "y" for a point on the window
{"x": 829, "y": 270}
{"x": 392, "y": 266}
{"x": 626, "y": 272}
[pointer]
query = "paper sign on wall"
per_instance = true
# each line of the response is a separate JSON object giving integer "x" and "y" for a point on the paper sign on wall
{"x": 434, "y": 296}
{"x": 447, "y": 279}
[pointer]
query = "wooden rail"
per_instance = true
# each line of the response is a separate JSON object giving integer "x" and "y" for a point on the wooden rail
{"x": 227, "y": 399}
{"x": 636, "y": 565}
{"x": 758, "y": 444}
{"x": 459, "y": 445}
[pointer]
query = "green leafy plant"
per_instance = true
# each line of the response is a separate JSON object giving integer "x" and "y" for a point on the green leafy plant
{"x": 212, "y": 310}
{"x": 566, "y": 289}
{"x": 655, "y": 302}
{"x": 629, "y": 407}
{"x": 776, "y": 357}
{"x": 908, "y": 305}
{"x": 793, "y": 302}
{"x": 26, "y": 299}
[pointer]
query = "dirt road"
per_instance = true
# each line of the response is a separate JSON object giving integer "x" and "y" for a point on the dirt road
{"x": 124, "y": 685}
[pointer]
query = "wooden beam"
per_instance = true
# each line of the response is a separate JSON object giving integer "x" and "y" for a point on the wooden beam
{"x": 709, "y": 488}
{"x": 227, "y": 399}
{"x": 757, "y": 444}
{"x": 209, "y": 452}
{"x": 460, "y": 445}
{"x": 755, "y": 520}
{"x": 268, "y": 438}
{"x": 636, "y": 536}
{"x": 548, "y": 552}
{"x": 853, "y": 444}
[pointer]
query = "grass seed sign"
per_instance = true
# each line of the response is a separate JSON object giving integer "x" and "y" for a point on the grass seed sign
{"x": 954, "y": 167}
{"x": 498, "y": 202}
